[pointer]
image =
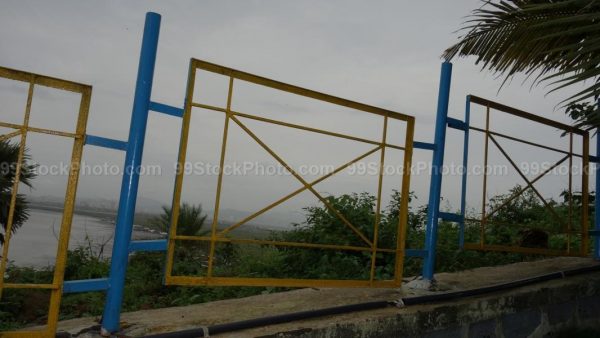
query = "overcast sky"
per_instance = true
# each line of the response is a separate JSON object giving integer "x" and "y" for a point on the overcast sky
{"x": 384, "y": 53}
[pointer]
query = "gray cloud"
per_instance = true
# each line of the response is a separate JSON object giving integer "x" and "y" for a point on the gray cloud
{"x": 384, "y": 53}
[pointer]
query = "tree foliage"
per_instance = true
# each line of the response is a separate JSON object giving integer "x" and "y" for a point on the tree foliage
{"x": 190, "y": 220}
{"x": 322, "y": 225}
{"x": 9, "y": 155}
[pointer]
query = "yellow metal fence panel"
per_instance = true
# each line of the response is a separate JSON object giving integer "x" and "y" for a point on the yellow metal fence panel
{"x": 486, "y": 221}
{"x": 22, "y": 130}
{"x": 369, "y": 245}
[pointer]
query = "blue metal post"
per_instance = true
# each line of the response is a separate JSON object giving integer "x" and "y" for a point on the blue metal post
{"x": 435, "y": 187}
{"x": 129, "y": 185}
{"x": 463, "y": 193}
{"x": 597, "y": 200}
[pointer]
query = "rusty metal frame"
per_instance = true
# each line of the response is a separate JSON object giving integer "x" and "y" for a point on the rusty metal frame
{"x": 69, "y": 203}
{"x": 216, "y": 235}
{"x": 566, "y": 227}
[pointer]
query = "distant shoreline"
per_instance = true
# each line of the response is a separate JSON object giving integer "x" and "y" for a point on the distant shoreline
{"x": 143, "y": 232}
{"x": 108, "y": 216}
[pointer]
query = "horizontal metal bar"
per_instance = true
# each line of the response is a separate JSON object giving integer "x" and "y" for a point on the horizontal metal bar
{"x": 30, "y": 286}
{"x": 282, "y": 282}
{"x": 526, "y": 115}
{"x": 211, "y": 67}
{"x": 27, "y": 334}
{"x": 416, "y": 253}
{"x": 85, "y": 285}
{"x": 105, "y": 142}
{"x": 52, "y": 132}
{"x": 281, "y": 243}
{"x": 43, "y": 80}
{"x": 423, "y": 145}
{"x": 295, "y": 126}
{"x": 517, "y": 225}
{"x": 594, "y": 159}
{"x": 451, "y": 217}
{"x": 408, "y": 252}
{"x": 594, "y": 232}
{"x": 39, "y": 130}
{"x": 520, "y": 249}
{"x": 512, "y": 138}
{"x": 456, "y": 124}
{"x": 165, "y": 109}
{"x": 149, "y": 245}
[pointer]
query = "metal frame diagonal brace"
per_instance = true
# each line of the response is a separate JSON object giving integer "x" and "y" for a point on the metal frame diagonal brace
{"x": 567, "y": 227}
{"x": 367, "y": 240}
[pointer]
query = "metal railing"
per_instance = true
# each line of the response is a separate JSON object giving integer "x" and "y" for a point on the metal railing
{"x": 219, "y": 235}
{"x": 487, "y": 212}
{"x": 21, "y": 130}
{"x": 114, "y": 284}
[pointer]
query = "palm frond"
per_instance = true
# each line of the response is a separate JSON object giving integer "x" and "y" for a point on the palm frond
{"x": 190, "y": 221}
{"x": 555, "y": 41}
{"x": 9, "y": 158}
{"x": 20, "y": 214}
{"x": 9, "y": 155}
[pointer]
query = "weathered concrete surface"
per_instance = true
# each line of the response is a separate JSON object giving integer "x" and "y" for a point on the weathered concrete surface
{"x": 537, "y": 310}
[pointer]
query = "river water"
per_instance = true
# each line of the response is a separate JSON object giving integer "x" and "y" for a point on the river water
{"x": 36, "y": 242}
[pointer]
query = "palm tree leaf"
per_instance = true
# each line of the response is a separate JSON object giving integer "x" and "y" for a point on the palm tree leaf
{"x": 557, "y": 41}
{"x": 9, "y": 155}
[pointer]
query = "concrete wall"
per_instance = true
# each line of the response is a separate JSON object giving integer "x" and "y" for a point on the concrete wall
{"x": 541, "y": 310}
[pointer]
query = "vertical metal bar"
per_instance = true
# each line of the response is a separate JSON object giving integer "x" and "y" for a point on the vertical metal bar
{"x": 183, "y": 142}
{"x": 69, "y": 206}
{"x": 435, "y": 187}
{"x": 585, "y": 243}
{"x": 463, "y": 190}
{"x": 570, "y": 196}
{"x": 405, "y": 192}
{"x": 485, "y": 166}
{"x": 129, "y": 185}
{"x": 378, "y": 207}
{"x": 597, "y": 198}
{"x": 213, "y": 236}
{"x": 15, "y": 187}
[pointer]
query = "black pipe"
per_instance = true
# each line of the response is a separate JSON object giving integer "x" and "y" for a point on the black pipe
{"x": 294, "y": 316}
{"x": 278, "y": 319}
{"x": 497, "y": 287}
